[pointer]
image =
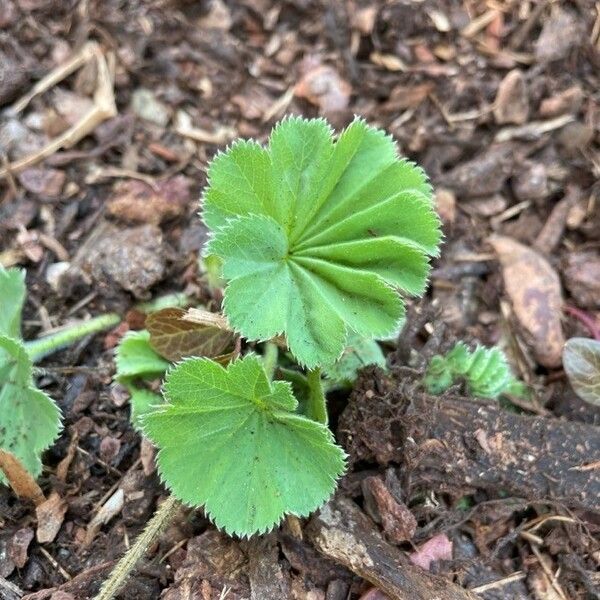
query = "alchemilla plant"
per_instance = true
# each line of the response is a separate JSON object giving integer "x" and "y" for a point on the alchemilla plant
{"x": 318, "y": 238}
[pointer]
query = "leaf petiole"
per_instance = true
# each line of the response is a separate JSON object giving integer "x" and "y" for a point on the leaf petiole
{"x": 316, "y": 406}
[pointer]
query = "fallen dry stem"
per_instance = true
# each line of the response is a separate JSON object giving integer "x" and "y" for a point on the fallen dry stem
{"x": 104, "y": 107}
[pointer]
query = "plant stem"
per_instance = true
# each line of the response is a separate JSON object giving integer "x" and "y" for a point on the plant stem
{"x": 270, "y": 356}
{"x": 38, "y": 349}
{"x": 316, "y": 407}
{"x": 161, "y": 518}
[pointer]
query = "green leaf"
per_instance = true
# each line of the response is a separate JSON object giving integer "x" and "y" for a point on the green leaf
{"x": 135, "y": 358}
{"x": 12, "y": 298}
{"x": 318, "y": 237}
{"x": 142, "y": 402}
{"x": 581, "y": 360}
{"x": 485, "y": 371}
{"x": 229, "y": 440}
{"x": 29, "y": 419}
{"x": 174, "y": 338}
{"x": 359, "y": 353}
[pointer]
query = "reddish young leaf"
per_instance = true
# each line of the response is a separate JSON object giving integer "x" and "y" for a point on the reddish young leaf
{"x": 175, "y": 338}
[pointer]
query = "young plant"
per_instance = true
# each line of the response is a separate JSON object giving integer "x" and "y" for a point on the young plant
{"x": 29, "y": 418}
{"x": 316, "y": 239}
{"x": 485, "y": 371}
{"x": 581, "y": 360}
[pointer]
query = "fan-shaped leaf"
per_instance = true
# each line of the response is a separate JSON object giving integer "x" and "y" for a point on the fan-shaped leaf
{"x": 29, "y": 419}
{"x": 230, "y": 440}
{"x": 317, "y": 237}
{"x": 581, "y": 360}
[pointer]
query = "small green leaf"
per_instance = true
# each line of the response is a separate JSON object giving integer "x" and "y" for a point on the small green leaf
{"x": 174, "y": 338}
{"x": 229, "y": 440}
{"x": 136, "y": 358}
{"x": 581, "y": 360}
{"x": 359, "y": 353}
{"x": 29, "y": 419}
{"x": 317, "y": 237}
{"x": 485, "y": 371}
{"x": 142, "y": 402}
{"x": 12, "y": 298}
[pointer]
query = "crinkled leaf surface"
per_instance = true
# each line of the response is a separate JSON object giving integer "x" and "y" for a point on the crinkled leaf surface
{"x": 174, "y": 338}
{"x": 485, "y": 371}
{"x": 230, "y": 440}
{"x": 12, "y": 298}
{"x": 581, "y": 360}
{"x": 29, "y": 419}
{"x": 135, "y": 358}
{"x": 317, "y": 237}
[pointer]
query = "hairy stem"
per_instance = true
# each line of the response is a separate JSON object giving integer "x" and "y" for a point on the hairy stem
{"x": 316, "y": 407}
{"x": 42, "y": 347}
{"x": 162, "y": 517}
{"x": 270, "y": 356}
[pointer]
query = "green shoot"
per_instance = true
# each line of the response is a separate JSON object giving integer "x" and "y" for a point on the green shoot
{"x": 315, "y": 240}
{"x": 485, "y": 372}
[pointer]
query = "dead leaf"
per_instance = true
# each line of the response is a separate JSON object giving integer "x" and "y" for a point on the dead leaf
{"x": 512, "y": 100}
{"x": 322, "y": 86}
{"x": 111, "y": 508}
{"x": 19, "y": 479}
{"x": 439, "y": 547}
{"x": 50, "y": 516}
{"x": 534, "y": 289}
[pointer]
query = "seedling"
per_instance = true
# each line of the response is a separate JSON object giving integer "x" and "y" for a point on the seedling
{"x": 29, "y": 418}
{"x": 581, "y": 360}
{"x": 315, "y": 239}
{"x": 485, "y": 371}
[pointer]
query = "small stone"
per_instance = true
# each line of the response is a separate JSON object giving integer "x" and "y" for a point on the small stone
{"x": 133, "y": 258}
{"x": 54, "y": 272}
{"x": 512, "y": 100}
{"x": 531, "y": 182}
{"x": 146, "y": 106}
